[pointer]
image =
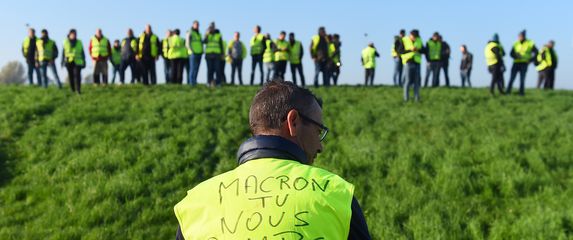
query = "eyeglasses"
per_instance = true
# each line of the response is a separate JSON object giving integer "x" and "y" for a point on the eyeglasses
{"x": 323, "y": 129}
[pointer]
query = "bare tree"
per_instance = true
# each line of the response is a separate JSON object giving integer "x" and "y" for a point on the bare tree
{"x": 12, "y": 73}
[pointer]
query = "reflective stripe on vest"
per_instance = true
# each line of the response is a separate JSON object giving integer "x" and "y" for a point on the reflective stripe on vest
{"x": 282, "y": 53}
{"x": 490, "y": 57}
{"x": 434, "y": 50}
{"x": 524, "y": 50}
{"x": 99, "y": 47}
{"x": 196, "y": 43}
{"x": 257, "y": 44}
{"x": 45, "y": 51}
{"x": 268, "y": 56}
{"x": 369, "y": 58}
{"x": 268, "y": 199}
{"x": 213, "y": 44}
{"x": 177, "y": 47}
{"x": 295, "y": 51}
{"x": 408, "y": 46}
{"x": 74, "y": 54}
{"x": 153, "y": 42}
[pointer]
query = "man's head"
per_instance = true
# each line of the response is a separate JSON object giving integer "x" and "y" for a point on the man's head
{"x": 195, "y": 25}
{"x": 551, "y": 44}
{"x": 129, "y": 32}
{"x": 176, "y": 31}
{"x": 371, "y": 44}
{"x": 282, "y": 35}
{"x": 31, "y": 32}
{"x": 291, "y": 37}
{"x": 44, "y": 33}
{"x": 283, "y": 109}
{"x": 116, "y": 43}
{"x": 321, "y": 31}
{"x": 99, "y": 33}
{"x": 463, "y": 49}
{"x": 436, "y": 36}
{"x": 257, "y": 29}
{"x": 336, "y": 37}
{"x": 148, "y": 29}
{"x": 237, "y": 36}
{"x": 72, "y": 34}
{"x": 168, "y": 33}
{"x": 521, "y": 35}
{"x": 414, "y": 34}
{"x": 402, "y": 33}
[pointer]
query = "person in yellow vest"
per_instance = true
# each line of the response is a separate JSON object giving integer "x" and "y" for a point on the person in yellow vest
{"x": 546, "y": 65}
{"x": 369, "y": 55}
{"x": 128, "y": 53}
{"x": 434, "y": 60}
{"x": 115, "y": 59}
{"x": 164, "y": 54}
{"x": 237, "y": 52}
{"x": 494, "y": 59}
{"x": 334, "y": 55}
{"x": 523, "y": 53}
{"x": 147, "y": 54}
{"x": 269, "y": 56}
{"x": 47, "y": 54}
{"x": 275, "y": 192}
{"x": 178, "y": 57}
{"x": 74, "y": 59}
{"x": 100, "y": 50}
{"x": 295, "y": 58}
{"x": 281, "y": 55}
{"x": 214, "y": 50}
{"x": 398, "y": 66}
{"x": 194, "y": 44}
{"x": 411, "y": 54}
{"x": 30, "y": 53}
{"x": 319, "y": 55}
{"x": 257, "y": 50}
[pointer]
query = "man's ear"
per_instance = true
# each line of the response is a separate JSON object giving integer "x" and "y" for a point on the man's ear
{"x": 292, "y": 118}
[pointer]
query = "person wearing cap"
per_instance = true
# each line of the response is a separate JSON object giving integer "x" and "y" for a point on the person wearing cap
{"x": 494, "y": 59}
{"x": 411, "y": 54}
{"x": 398, "y": 66}
{"x": 466, "y": 66}
{"x": 433, "y": 60}
{"x": 29, "y": 52}
{"x": 100, "y": 50}
{"x": 546, "y": 65}
{"x": 47, "y": 54}
{"x": 523, "y": 53}
{"x": 275, "y": 192}
{"x": 369, "y": 55}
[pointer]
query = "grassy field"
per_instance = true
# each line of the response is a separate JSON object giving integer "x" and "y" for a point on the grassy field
{"x": 110, "y": 164}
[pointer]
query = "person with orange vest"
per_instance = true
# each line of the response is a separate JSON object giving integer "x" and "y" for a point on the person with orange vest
{"x": 100, "y": 50}
{"x": 147, "y": 54}
{"x": 29, "y": 52}
{"x": 275, "y": 192}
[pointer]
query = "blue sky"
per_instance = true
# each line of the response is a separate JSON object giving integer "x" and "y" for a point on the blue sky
{"x": 460, "y": 22}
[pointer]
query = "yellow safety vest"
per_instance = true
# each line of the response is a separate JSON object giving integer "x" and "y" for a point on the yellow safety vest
{"x": 115, "y": 56}
{"x": 213, "y": 44}
{"x": 74, "y": 54}
{"x": 393, "y": 51}
{"x": 133, "y": 44}
{"x": 230, "y": 47}
{"x": 283, "y": 48}
{"x": 45, "y": 51}
{"x": 268, "y": 199}
{"x": 26, "y": 45}
{"x": 434, "y": 50}
{"x": 177, "y": 47}
{"x": 99, "y": 47}
{"x": 153, "y": 41}
{"x": 524, "y": 50}
{"x": 408, "y": 46}
{"x": 165, "y": 48}
{"x": 331, "y": 55}
{"x": 490, "y": 57}
{"x": 196, "y": 45}
{"x": 257, "y": 44}
{"x": 545, "y": 61}
{"x": 369, "y": 58}
{"x": 295, "y": 51}
{"x": 268, "y": 56}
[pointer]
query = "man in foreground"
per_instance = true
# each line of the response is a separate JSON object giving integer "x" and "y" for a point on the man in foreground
{"x": 275, "y": 192}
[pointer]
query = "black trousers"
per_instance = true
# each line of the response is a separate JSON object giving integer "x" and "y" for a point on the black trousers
{"x": 177, "y": 67}
{"x": 280, "y": 69}
{"x": 496, "y": 78}
{"x": 293, "y": 69}
{"x": 74, "y": 76}
{"x": 549, "y": 76}
{"x": 369, "y": 76}
{"x": 237, "y": 67}
{"x": 445, "y": 66}
{"x": 148, "y": 71}
{"x": 123, "y": 67}
{"x": 257, "y": 60}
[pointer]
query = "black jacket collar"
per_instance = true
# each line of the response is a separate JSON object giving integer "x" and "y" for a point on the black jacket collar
{"x": 270, "y": 147}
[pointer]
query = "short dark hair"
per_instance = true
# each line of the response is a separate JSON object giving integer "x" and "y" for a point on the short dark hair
{"x": 258, "y": 28}
{"x": 274, "y": 100}
{"x": 176, "y": 31}
{"x": 402, "y": 31}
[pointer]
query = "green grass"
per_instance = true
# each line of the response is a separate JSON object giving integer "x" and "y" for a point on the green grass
{"x": 111, "y": 163}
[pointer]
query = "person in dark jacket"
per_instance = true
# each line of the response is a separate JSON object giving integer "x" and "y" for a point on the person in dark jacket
{"x": 148, "y": 52}
{"x": 523, "y": 53}
{"x": 446, "y": 52}
{"x": 466, "y": 66}
{"x": 286, "y": 121}
{"x": 494, "y": 57}
{"x": 128, "y": 52}
{"x": 319, "y": 55}
{"x": 47, "y": 54}
{"x": 30, "y": 53}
